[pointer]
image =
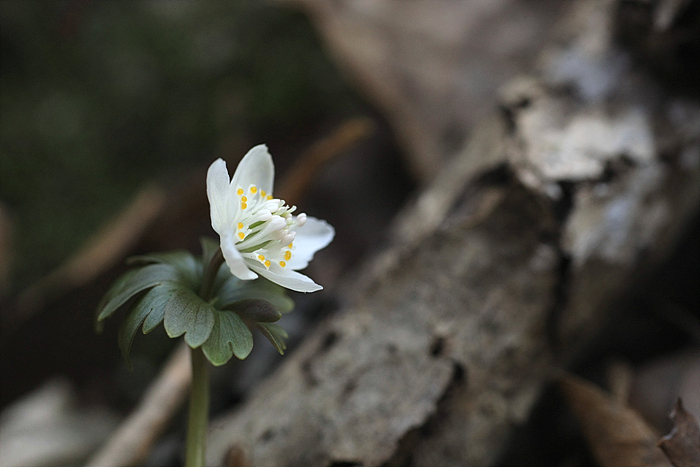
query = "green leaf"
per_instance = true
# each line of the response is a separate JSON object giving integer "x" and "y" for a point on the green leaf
{"x": 155, "y": 317}
{"x": 229, "y": 337}
{"x": 175, "y": 258}
{"x": 116, "y": 286}
{"x": 275, "y": 334}
{"x": 235, "y": 290}
{"x": 258, "y": 311}
{"x": 132, "y": 283}
{"x": 188, "y": 267}
{"x": 186, "y": 313}
{"x": 148, "y": 310}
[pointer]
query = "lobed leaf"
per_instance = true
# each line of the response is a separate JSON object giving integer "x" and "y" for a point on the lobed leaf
{"x": 189, "y": 268}
{"x": 167, "y": 284}
{"x": 258, "y": 311}
{"x": 149, "y": 311}
{"x": 116, "y": 286}
{"x": 133, "y": 282}
{"x": 275, "y": 334}
{"x": 230, "y": 336}
{"x": 186, "y": 313}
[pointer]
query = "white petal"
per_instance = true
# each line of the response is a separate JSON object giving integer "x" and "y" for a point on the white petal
{"x": 287, "y": 278}
{"x": 217, "y": 192}
{"x": 256, "y": 168}
{"x": 234, "y": 260}
{"x": 310, "y": 237}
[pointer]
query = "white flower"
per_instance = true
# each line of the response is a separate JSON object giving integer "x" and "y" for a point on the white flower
{"x": 258, "y": 232}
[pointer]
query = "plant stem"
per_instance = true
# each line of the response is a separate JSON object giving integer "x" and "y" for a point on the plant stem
{"x": 210, "y": 272}
{"x": 199, "y": 393}
{"x": 199, "y": 410}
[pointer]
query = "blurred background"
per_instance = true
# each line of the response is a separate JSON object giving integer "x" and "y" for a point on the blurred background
{"x": 99, "y": 98}
{"x": 111, "y": 112}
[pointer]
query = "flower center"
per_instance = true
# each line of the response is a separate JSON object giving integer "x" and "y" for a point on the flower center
{"x": 264, "y": 227}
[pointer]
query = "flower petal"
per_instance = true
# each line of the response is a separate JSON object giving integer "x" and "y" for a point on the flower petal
{"x": 256, "y": 168}
{"x": 234, "y": 260}
{"x": 310, "y": 237}
{"x": 286, "y": 278}
{"x": 217, "y": 192}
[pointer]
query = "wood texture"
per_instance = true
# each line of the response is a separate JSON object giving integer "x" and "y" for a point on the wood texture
{"x": 499, "y": 272}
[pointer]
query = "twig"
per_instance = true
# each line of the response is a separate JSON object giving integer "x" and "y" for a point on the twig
{"x": 99, "y": 253}
{"x": 301, "y": 175}
{"x": 131, "y": 443}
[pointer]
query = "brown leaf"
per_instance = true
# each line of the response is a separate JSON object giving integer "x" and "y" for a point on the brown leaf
{"x": 617, "y": 435}
{"x": 236, "y": 457}
{"x": 682, "y": 444}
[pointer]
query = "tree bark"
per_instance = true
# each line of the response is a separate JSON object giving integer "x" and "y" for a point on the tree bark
{"x": 499, "y": 272}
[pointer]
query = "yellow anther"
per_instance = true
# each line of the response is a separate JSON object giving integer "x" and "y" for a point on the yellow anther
{"x": 253, "y": 189}
{"x": 244, "y": 199}
{"x": 240, "y": 225}
{"x": 288, "y": 255}
{"x": 283, "y": 264}
{"x": 269, "y": 197}
{"x": 239, "y": 192}
{"x": 290, "y": 245}
{"x": 262, "y": 193}
{"x": 243, "y": 205}
{"x": 241, "y": 235}
{"x": 261, "y": 257}
{"x": 267, "y": 263}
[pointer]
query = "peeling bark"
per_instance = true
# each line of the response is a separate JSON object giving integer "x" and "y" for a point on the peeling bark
{"x": 466, "y": 312}
{"x": 500, "y": 271}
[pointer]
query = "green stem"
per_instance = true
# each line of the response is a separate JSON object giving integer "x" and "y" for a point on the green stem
{"x": 210, "y": 273}
{"x": 199, "y": 410}
{"x": 199, "y": 394}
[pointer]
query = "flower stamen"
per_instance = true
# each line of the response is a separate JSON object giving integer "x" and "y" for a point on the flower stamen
{"x": 263, "y": 228}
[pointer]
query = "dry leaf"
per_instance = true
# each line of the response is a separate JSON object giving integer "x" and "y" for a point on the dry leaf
{"x": 682, "y": 444}
{"x": 617, "y": 435}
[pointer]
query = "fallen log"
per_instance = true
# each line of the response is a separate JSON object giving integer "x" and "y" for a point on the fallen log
{"x": 498, "y": 274}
